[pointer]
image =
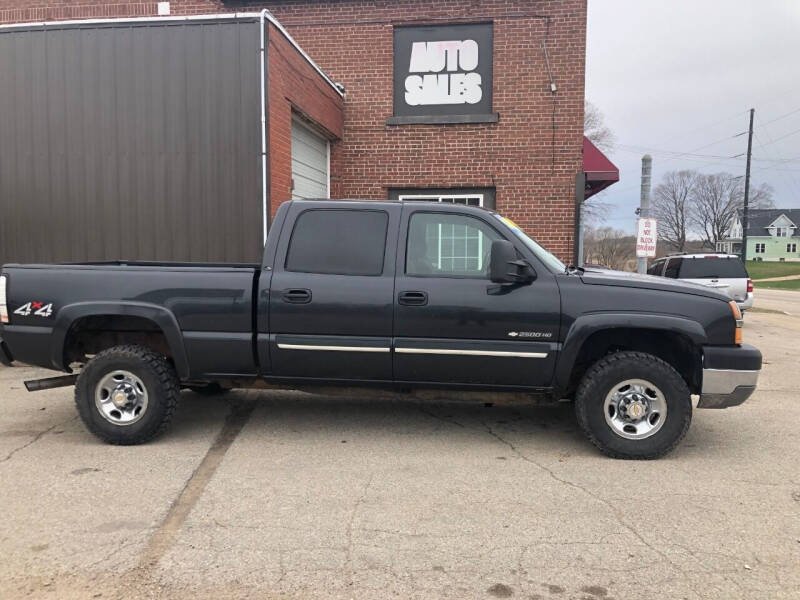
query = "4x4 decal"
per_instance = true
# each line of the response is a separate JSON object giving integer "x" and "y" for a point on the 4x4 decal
{"x": 39, "y": 309}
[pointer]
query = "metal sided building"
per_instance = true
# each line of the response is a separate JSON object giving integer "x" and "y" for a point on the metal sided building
{"x": 139, "y": 136}
{"x": 156, "y": 139}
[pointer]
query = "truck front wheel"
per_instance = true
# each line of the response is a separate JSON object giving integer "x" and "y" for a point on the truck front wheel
{"x": 633, "y": 405}
{"x": 127, "y": 394}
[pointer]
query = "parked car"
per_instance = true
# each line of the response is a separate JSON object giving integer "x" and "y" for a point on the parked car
{"x": 723, "y": 272}
{"x": 409, "y": 297}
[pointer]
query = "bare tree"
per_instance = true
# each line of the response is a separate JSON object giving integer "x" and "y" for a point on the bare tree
{"x": 611, "y": 247}
{"x": 589, "y": 241}
{"x": 594, "y": 127}
{"x": 672, "y": 206}
{"x": 760, "y": 197}
{"x": 594, "y": 209}
{"x": 715, "y": 201}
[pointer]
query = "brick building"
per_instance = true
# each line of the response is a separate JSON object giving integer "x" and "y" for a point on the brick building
{"x": 477, "y": 101}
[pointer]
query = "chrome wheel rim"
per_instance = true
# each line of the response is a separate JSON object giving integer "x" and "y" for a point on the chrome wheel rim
{"x": 635, "y": 409}
{"x": 121, "y": 398}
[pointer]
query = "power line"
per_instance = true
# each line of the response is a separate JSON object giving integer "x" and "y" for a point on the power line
{"x": 796, "y": 110}
{"x": 784, "y": 136}
{"x": 692, "y": 155}
{"x": 708, "y": 126}
{"x": 635, "y": 149}
{"x": 789, "y": 179}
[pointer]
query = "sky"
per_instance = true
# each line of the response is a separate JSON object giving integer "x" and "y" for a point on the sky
{"x": 676, "y": 79}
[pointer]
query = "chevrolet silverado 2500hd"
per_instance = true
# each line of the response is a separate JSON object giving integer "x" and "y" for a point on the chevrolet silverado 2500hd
{"x": 406, "y": 297}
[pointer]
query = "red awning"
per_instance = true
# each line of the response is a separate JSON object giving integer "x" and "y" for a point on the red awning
{"x": 600, "y": 172}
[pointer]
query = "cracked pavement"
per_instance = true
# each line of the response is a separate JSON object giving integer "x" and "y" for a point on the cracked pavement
{"x": 315, "y": 497}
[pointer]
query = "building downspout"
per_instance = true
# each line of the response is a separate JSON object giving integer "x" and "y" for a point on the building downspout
{"x": 262, "y": 21}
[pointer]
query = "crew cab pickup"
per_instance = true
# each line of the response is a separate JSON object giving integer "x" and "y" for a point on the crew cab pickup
{"x": 420, "y": 298}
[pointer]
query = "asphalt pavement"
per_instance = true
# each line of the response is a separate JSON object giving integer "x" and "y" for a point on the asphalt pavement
{"x": 287, "y": 495}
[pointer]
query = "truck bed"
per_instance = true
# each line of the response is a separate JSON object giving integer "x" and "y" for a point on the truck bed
{"x": 205, "y": 308}
{"x": 141, "y": 263}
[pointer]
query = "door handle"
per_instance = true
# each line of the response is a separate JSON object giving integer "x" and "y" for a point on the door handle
{"x": 413, "y": 298}
{"x": 297, "y": 296}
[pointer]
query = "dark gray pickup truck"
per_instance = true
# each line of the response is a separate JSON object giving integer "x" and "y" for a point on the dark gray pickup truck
{"x": 402, "y": 297}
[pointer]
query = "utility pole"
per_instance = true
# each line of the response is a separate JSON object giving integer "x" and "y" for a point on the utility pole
{"x": 747, "y": 188}
{"x": 644, "y": 203}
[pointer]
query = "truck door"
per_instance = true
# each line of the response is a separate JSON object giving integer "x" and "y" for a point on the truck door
{"x": 452, "y": 324}
{"x": 331, "y": 292}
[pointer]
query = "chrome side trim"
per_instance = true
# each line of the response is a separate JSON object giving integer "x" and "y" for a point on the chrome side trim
{"x": 725, "y": 381}
{"x": 333, "y": 348}
{"x": 470, "y": 352}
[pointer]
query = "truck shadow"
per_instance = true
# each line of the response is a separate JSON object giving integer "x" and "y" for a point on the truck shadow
{"x": 550, "y": 429}
{"x": 348, "y": 420}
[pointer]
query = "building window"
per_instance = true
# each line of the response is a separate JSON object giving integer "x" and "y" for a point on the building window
{"x": 791, "y": 247}
{"x": 782, "y": 232}
{"x": 468, "y": 199}
{"x": 483, "y": 197}
{"x": 760, "y": 248}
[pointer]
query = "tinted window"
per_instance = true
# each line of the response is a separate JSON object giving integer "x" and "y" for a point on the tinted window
{"x": 713, "y": 267}
{"x": 448, "y": 245}
{"x": 655, "y": 268}
{"x": 673, "y": 265}
{"x": 344, "y": 242}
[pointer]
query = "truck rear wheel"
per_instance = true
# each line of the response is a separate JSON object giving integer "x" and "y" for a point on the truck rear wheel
{"x": 633, "y": 405}
{"x": 127, "y": 394}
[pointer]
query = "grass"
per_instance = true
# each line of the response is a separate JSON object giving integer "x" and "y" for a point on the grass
{"x": 762, "y": 270}
{"x": 791, "y": 284}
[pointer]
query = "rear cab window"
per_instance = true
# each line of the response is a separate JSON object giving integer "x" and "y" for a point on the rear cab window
{"x": 338, "y": 242}
{"x": 712, "y": 267}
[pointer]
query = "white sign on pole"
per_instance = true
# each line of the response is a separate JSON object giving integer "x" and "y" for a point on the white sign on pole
{"x": 646, "y": 239}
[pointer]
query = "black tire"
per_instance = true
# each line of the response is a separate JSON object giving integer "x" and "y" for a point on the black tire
{"x": 160, "y": 382}
{"x": 210, "y": 389}
{"x": 601, "y": 378}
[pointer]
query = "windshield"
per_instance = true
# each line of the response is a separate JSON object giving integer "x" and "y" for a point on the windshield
{"x": 550, "y": 261}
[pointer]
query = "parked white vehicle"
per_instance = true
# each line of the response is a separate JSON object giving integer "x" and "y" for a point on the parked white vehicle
{"x": 724, "y": 272}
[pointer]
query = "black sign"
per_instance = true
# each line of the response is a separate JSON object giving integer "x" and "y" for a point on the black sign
{"x": 443, "y": 72}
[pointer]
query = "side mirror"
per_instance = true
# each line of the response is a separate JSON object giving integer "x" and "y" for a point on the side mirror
{"x": 505, "y": 267}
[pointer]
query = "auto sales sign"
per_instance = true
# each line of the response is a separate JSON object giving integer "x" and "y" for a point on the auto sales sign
{"x": 442, "y": 71}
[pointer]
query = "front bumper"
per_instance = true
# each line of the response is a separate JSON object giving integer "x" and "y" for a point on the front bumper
{"x": 5, "y": 354}
{"x": 730, "y": 374}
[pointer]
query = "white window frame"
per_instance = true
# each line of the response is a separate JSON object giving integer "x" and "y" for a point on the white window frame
{"x": 791, "y": 247}
{"x": 760, "y": 247}
{"x": 442, "y": 198}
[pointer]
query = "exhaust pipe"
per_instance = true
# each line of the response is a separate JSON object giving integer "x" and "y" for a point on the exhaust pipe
{"x": 48, "y": 383}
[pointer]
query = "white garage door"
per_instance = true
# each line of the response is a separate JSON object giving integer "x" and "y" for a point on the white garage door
{"x": 309, "y": 163}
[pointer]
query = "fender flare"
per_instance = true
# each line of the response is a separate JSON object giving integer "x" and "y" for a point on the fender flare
{"x": 588, "y": 324}
{"x": 159, "y": 315}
